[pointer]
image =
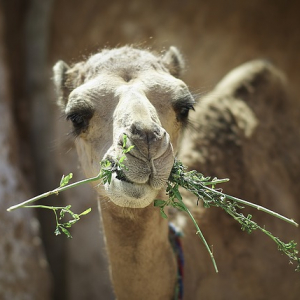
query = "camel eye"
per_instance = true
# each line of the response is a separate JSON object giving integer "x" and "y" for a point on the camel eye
{"x": 182, "y": 108}
{"x": 80, "y": 120}
{"x": 77, "y": 120}
{"x": 184, "y": 111}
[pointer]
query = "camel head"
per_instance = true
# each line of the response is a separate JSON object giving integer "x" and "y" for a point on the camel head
{"x": 132, "y": 92}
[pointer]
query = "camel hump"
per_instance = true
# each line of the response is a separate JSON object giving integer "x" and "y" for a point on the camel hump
{"x": 239, "y": 130}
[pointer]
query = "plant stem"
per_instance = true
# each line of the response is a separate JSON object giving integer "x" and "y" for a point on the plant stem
{"x": 44, "y": 206}
{"x": 201, "y": 236}
{"x": 258, "y": 207}
{"x": 54, "y": 192}
{"x": 214, "y": 182}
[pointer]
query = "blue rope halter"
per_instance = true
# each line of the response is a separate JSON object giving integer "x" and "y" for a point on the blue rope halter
{"x": 175, "y": 239}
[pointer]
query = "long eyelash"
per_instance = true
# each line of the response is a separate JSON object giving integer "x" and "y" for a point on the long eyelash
{"x": 192, "y": 125}
{"x": 200, "y": 92}
{"x": 191, "y": 106}
{"x": 71, "y": 134}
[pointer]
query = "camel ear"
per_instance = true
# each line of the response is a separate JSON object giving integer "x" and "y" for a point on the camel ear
{"x": 60, "y": 79}
{"x": 66, "y": 79}
{"x": 173, "y": 60}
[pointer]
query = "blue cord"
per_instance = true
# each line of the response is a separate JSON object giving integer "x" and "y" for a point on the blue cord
{"x": 175, "y": 239}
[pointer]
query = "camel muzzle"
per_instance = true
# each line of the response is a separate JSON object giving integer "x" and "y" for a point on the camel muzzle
{"x": 150, "y": 140}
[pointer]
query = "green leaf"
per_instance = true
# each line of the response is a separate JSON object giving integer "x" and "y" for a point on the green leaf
{"x": 109, "y": 178}
{"x": 179, "y": 206}
{"x": 124, "y": 141}
{"x": 128, "y": 149}
{"x": 71, "y": 222}
{"x": 65, "y": 180}
{"x": 163, "y": 214}
{"x": 159, "y": 203}
{"x": 66, "y": 232}
{"x": 177, "y": 194}
{"x": 105, "y": 164}
{"x": 85, "y": 212}
{"x": 122, "y": 159}
{"x": 62, "y": 213}
{"x": 57, "y": 231}
{"x": 125, "y": 150}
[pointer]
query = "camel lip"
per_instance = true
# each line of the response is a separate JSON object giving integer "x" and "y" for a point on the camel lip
{"x": 120, "y": 175}
{"x": 125, "y": 181}
{"x": 115, "y": 168}
{"x": 134, "y": 194}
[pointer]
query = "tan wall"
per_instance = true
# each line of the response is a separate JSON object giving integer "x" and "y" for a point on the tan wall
{"x": 24, "y": 271}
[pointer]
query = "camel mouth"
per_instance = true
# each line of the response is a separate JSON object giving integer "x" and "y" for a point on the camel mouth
{"x": 137, "y": 183}
{"x": 134, "y": 170}
{"x": 120, "y": 175}
{"x": 115, "y": 168}
{"x": 118, "y": 171}
{"x": 125, "y": 193}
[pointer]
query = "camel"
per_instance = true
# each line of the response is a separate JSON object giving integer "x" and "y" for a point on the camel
{"x": 133, "y": 92}
{"x": 138, "y": 93}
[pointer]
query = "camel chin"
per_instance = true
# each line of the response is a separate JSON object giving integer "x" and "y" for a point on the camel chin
{"x": 141, "y": 179}
{"x": 131, "y": 195}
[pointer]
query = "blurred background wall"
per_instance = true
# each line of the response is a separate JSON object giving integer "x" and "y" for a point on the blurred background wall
{"x": 214, "y": 37}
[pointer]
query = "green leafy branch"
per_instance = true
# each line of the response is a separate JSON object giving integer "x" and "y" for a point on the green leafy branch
{"x": 59, "y": 213}
{"x": 204, "y": 189}
{"x": 175, "y": 200}
{"x": 107, "y": 168}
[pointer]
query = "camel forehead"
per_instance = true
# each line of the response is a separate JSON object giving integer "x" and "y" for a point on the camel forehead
{"x": 125, "y": 61}
{"x": 151, "y": 84}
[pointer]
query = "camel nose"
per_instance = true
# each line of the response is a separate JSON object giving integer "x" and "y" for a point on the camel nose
{"x": 148, "y": 134}
{"x": 150, "y": 139}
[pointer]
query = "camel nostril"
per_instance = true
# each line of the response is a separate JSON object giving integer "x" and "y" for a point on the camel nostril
{"x": 136, "y": 129}
{"x": 148, "y": 134}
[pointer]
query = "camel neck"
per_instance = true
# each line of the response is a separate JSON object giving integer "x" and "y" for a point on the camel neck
{"x": 141, "y": 258}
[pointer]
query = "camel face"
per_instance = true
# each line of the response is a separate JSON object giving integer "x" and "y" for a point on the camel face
{"x": 126, "y": 92}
